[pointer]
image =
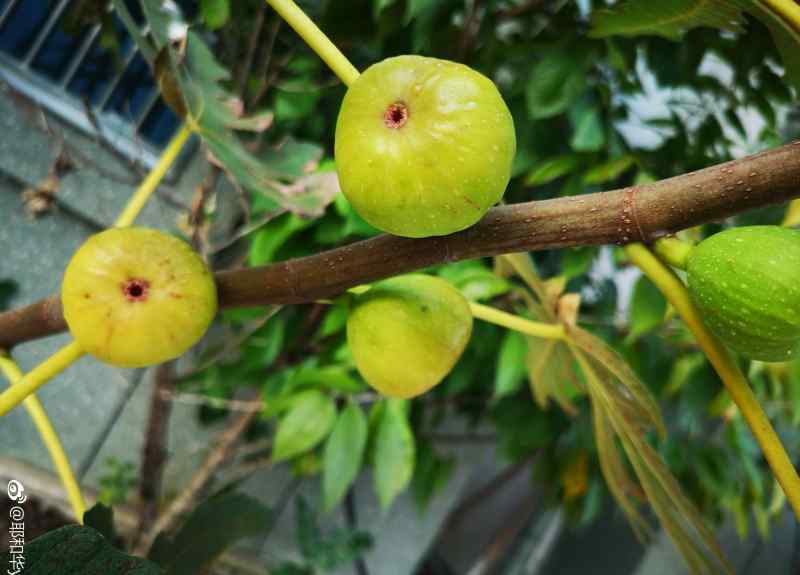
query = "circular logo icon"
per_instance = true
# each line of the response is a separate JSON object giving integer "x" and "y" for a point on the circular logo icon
{"x": 16, "y": 492}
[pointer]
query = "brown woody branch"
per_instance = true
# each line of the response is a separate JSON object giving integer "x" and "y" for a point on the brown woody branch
{"x": 636, "y": 214}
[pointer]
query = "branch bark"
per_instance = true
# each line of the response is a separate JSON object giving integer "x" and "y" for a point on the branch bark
{"x": 635, "y": 214}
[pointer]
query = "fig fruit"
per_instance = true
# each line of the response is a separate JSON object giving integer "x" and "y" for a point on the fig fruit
{"x": 406, "y": 333}
{"x": 746, "y": 283}
{"x": 134, "y": 297}
{"x": 423, "y": 146}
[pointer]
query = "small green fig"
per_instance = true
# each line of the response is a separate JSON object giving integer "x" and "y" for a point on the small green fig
{"x": 407, "y": 333}
{"x": 423, "y": 146}
{"x": 134, "y": 297}
{"x": 746, "y": 283}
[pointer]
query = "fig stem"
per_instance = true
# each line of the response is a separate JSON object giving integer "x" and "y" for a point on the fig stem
{"x": 316, "y": 39}
{"x": 673, "y": 251}
{"x": 151, "y": 181}
{"x": 40, "y": 375}
{"x": 49, "y": 437}
{"x": 792, "y": 217}
{"x": 725, "y": 365}
{"x": 786, "y": 10}
{"x": 516, "y": 323}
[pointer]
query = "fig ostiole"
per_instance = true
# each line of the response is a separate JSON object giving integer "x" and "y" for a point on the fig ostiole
{"x": 746, "y": 283}
{"x": 134, "y": 297}
{"x": 423, "y": 146}
{"x": 407, "y": 333}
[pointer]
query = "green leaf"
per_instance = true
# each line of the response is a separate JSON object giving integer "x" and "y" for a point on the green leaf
{"x": 293, "y": 158}
{"x": 511, "y": 367}
{"x": 327, "y": 551}
{"x": 474, "y": 280}
{"x": 577, "y": 261}
{"x": 552, "y": 169}
{"x": 210, "y": 529}
{"x": 431, "y": 475}
{"x": 335, "y": 377}
{"x": 416, "y": 7}
{"x": 307, "y": 422}
{"x": 555, "y": 82}
{"x": 682, "y": 370}
{"x": 195, "y": 81}
{"x": 7, "y": 290}
{"x": 609, "y": 170}
{"x": 101, "y": 518}
{"x": 786, "y": 38}
{"x": 668, "y": 18}
{"x": 269, "y": 239}
{"x": 395, "y": 452}
{"x": 379, "y": 6}
{"x": 588, "y": 132}
{"x": 215, "y": 13}
{"x": 647, "y": 310}
{"x": 78, "y": 550}
{"x": 344, "y": 452}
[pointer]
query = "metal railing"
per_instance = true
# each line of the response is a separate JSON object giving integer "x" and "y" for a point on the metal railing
{"x": 126, "y": 131}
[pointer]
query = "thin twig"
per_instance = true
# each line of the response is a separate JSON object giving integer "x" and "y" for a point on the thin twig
{"x": 352, "y": 524}
{"x": 252, "y": 44}
{"x": 188, "y": 496}
{"x": 154, "y": 455}
{"x": 470, "y": 31}
{"x": 262, "y": 70}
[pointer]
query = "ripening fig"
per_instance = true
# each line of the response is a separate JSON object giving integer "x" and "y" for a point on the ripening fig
{"x": 746, "y": 283}
{"x": 406, "y": 333}
{"x": 134, "y": 297}
{"x": 423, "y": 146}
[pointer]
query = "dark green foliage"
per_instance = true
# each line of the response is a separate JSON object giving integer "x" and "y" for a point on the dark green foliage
{"x": 76, "y": 550}
{"x": 209, "y": 530}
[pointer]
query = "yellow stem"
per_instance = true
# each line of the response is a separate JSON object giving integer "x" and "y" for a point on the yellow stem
{"x": 39, "y": 375}
{"x": 516, "y": 323}
{"x": 316, "y": 39}
{"x": 673, "y": 251}
{"x": 722, "y": 360}
{"x": 49, "y": 438}
{"x": 150, "y": 183}
{"x": 789, "y": 10}
{"x": 792, "y": 217}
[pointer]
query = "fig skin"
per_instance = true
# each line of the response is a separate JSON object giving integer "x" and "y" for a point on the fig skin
{"x": 746, "y": 283}
{"x": 407, "y": 333}
{"x": 134, "y": 297}
{"x": 423, "y": 146}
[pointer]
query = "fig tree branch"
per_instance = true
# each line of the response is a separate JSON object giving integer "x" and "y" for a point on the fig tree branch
{"x": 641, "y": 213}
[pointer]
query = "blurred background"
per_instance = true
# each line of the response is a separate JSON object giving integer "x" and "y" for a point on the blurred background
{"x": 501, "y": 482}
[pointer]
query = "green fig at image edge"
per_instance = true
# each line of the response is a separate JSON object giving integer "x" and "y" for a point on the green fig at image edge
{"x": 406, "y": 333}
{"x": 423, "y": 146}
{"x": 746, "y": 283}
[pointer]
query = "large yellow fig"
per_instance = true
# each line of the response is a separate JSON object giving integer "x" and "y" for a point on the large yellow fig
{"x": 423, "y": 146}
{"x": 407, "y": 333}
{"x": 134, "y": 297}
